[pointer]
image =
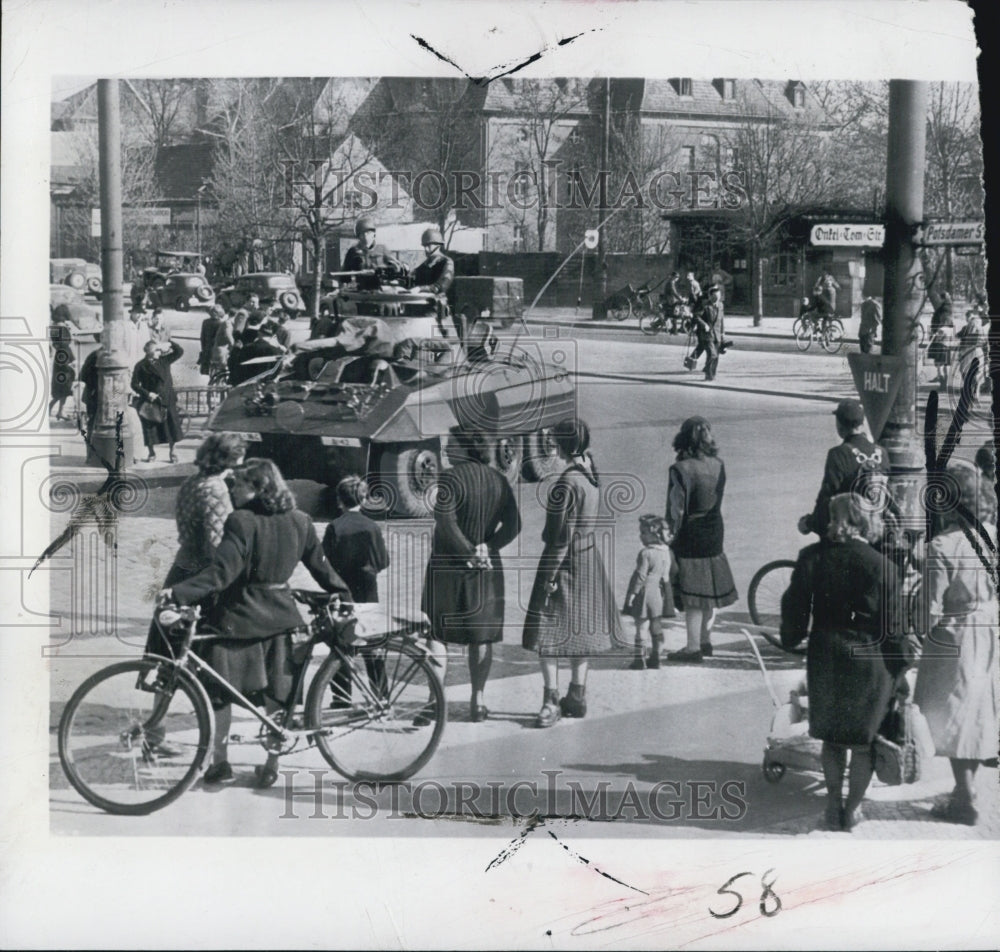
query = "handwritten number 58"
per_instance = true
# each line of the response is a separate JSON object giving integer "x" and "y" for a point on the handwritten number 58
{"x": 766, "y": 894}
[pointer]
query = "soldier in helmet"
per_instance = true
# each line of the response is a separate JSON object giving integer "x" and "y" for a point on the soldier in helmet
{"x": 435, "y": 275}
{"x": 366, "y": 255}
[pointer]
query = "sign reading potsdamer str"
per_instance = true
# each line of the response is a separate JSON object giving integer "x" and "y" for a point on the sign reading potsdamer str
{"x": 852, "y": 236}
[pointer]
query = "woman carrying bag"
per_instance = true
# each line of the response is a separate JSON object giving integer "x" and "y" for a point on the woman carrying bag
{"x": 153, "y": 381}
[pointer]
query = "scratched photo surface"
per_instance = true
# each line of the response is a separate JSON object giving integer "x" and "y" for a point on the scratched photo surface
{"x": 551, "y": 364}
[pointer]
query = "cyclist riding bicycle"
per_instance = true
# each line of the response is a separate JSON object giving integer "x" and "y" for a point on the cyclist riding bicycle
{"x": 673, "y": 301}
{"x": 824, "y": 298}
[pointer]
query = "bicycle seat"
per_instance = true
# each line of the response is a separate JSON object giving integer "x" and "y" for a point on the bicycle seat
{"x": 311, "y": 598}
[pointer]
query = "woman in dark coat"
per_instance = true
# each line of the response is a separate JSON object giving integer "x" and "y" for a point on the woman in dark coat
{"x": 475, "y": 516}
{"x": 63, "y": 374}
{"x": 153, "y": 381}
{"x": 572, "y": 611}
{"x": 702, "y": 577}
{"x": 264, "y": 540}
{"x": 942, "y": 343}
{"x": 850, "y": 591}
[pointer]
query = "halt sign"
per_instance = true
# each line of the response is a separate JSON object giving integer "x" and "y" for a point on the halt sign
{"x": 877, "y": 379}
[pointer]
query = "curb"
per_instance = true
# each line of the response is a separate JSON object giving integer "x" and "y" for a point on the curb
{"x": 625, "y": 325}
{"x": 715, "y": 385}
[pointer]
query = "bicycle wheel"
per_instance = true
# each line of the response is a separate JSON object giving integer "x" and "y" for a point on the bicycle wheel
{"x": 832, "y": 337}
{"x": 803, "y": 331}
{"x": 134, "y": 736}
{"x": 383, "y": 721}
{"x": 620, "y": 312}
{"x": 650, "y": 324}
{"x": 764, "y": 599}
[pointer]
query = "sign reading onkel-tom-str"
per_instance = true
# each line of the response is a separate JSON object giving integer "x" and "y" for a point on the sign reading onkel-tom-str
{"x": 848, "y": 236}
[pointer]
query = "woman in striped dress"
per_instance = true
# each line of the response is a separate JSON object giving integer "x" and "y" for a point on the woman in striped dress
{"x": 572, "y": 611}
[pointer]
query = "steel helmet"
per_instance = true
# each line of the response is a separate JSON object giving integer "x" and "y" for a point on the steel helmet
{"x": 431, "y": 236}
{"x": 362, "y": 225}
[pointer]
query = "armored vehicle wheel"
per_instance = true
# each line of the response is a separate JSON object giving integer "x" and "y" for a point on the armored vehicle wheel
{"x": 409, "y": 474}
{"x": 541, "y": 458}
{"x": 509, "y": 456}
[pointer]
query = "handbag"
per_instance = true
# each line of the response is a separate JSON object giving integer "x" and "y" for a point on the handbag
{"x": 151, "y": 412}
{"x": 903, "y": 745}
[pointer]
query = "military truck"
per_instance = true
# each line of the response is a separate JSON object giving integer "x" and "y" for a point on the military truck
{"x": 371, "y": 403}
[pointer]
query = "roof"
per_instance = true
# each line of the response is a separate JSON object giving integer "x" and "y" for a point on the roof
{"x": 182, "y": 169}
{"x": 756, "y": 98}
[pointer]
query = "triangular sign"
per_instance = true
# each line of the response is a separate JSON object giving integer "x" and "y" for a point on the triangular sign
{"x": 877, "y": 379}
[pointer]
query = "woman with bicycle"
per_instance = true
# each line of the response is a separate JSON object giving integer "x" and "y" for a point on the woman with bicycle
{"x": 203, "y": 506}
{"x": 843, "y": 596}
{"x": 264, "y": 540}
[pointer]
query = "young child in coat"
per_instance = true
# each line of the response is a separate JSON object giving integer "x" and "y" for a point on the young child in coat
{"x": 649, "y": 597}
{"x": 354, "y": 546}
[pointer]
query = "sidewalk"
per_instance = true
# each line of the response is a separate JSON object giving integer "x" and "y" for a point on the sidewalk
{"x": 737, "y": 325}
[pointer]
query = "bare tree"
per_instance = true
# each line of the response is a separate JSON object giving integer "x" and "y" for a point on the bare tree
{"x": 280, "y": 175}
{"x": 431, "y": 129}
{"x": 953, "y": 187}
{"x": 786, "y": 166}
{"x": 546, "y": 111}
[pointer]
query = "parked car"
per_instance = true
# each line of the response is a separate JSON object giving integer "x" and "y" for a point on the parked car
{"x": 182, "y": 291}
{"x": 68, "y": 303}
{"x": 272, "y": 287}
{"x": 76, "y": 273}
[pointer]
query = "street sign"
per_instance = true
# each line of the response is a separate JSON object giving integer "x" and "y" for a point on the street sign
{"x": 852, "y": 236}
{"x": 877, "y": 379}
{"x": 949, "y": 233}
{"x": 591, "y": 237}
{"x": 151, "y": 215}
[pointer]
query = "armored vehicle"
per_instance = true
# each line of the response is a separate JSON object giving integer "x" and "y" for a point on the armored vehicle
{"x": 367, "y": 402}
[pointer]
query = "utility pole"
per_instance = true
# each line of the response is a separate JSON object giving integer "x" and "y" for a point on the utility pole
{"x": 904, "y": 209}
{"x": 601, "y": 278}
{"x": 112, "y": 366}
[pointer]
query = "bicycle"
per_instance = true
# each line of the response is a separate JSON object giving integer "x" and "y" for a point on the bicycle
{"x": 681, "y": 321}
{"x": 810, "y": 326}
{"x": 629, "y": 300}
{"x": 135, "y": 736}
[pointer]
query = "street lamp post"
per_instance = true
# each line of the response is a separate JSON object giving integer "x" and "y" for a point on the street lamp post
{"x": 904, "y": 209}
{"x": 112, "y": 366}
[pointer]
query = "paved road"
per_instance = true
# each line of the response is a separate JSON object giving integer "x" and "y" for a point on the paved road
{"x": 772, "y": 418}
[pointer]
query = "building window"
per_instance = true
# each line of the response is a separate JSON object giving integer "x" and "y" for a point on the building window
{"x": 574, "y": 136}
{"x": 519, "y": 238}
{"x": 684, "y": 87}
{"x": 687, "y": 158}
{"x": 522, "y": 134}
{"x": 797, "y": 94}
{"x": 733, "y": 159}
{"x": 522, "y": 180}
{"x": 785, "y": 270}
{"x": 729, "y": 89}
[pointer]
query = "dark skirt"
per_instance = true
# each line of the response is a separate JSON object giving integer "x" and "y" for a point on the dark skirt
{"x": 465, "y": 606}
{"x": 254, "y": 668}
{"x": 704, "y": 583}
{"x": 849, "y": 687}
{"x": 63, "y": 376}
